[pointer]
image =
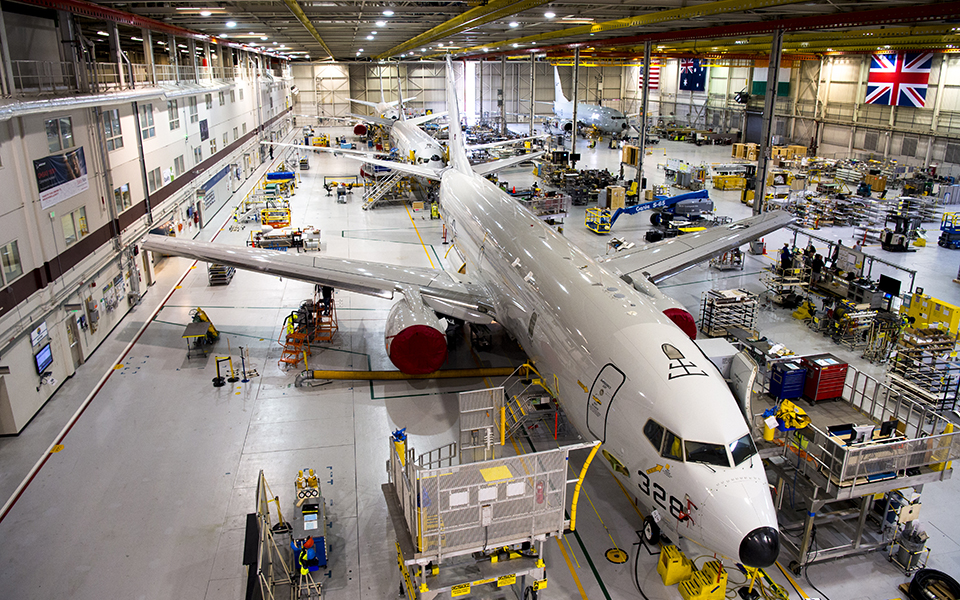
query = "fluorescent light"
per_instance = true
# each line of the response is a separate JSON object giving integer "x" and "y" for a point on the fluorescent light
{"x": 515, "y": 45}
{"x": 374, "y": 32}
{"x": 181, "y": 45}
{"x": 381, "y": 23}
{"x": 103, "y": 33}
{"x": 136, "y": 39}
{"x": 263, "y": 37}
{"x": 549, "y": 15}
{"x": 388, "y": 13}
{"x": 514, "y": 24}
{"x": 369, "y": 37}
{"x": 231, "y": 24}
{"x": 205, "y": 13}
{"x": 360, "y": 50}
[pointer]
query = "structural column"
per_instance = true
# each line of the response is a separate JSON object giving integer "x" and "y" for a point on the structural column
{"x": 500, "y": 95}
{"x": 148, "y": 55}
{"x": 644, "y": 103}
{"x": 533, "y": 89}
{"x": 766, "y": 129}
{"x": 576, "y": 90}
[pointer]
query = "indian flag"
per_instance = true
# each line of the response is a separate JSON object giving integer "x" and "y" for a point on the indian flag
{"x": 760, "y": 68}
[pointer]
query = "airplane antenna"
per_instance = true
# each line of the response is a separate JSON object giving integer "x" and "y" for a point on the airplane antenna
{"x": 455, "y": 144}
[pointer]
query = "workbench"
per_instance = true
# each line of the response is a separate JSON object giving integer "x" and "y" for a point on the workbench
{"x": 196, "y": 336}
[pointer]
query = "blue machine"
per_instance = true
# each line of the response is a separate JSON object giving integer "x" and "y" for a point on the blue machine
{"x": 690, "y": 204}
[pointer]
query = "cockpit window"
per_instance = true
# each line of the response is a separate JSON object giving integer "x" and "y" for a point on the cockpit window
{"x": 710, "y": 454}
{"x": 672, "y": 447}
{"x": 742, "y": 449}
{"x": 654, "y": 433}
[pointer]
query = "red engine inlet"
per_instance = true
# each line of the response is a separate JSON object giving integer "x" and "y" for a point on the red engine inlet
{"x": 415, "y": 337}
{"x": 683, "y": 320}
{"x": 418, "y": 350}
{"x": 360, "y": 129}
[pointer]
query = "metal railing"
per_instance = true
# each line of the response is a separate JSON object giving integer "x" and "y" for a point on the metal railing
{"x": 43, "y": 76}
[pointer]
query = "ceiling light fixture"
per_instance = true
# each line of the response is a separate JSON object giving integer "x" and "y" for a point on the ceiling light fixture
{"x": 360, "y": 50}
{"x": 374, "y": 32}
{"x": 381, "y": 23}
{"x": 388, "y": 13}
{"x": 205, "y": 13}
{"x": 263, "y": 37}
{"x": 103, "y": 33}
{"x": 136, "y": 39}
{"x": 369, "y": 37}
{"x": 231, "y": 24}
{"x": 549, "y": 15}
{"x": 514, "y": 24}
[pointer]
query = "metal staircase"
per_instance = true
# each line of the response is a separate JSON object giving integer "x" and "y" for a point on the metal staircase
{"x": 381, "y": 190}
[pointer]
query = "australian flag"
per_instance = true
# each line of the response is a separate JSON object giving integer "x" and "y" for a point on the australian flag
{"x": 693, "y": 76}
{"x": 899, "y": 79}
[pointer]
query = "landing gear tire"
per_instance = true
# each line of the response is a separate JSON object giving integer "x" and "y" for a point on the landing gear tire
{"x": 650, "y": 531}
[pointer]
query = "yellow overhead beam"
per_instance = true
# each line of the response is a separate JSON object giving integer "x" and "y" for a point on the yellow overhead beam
{"x": 474, "y": 17}
{"x": 835, "y": 37}
{"x": 652, "y": 18}
{"x": 302, "y": 17}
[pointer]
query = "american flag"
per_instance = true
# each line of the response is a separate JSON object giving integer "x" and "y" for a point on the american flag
{"x": 654, "y": 77}
{"x": 899, "y": 79}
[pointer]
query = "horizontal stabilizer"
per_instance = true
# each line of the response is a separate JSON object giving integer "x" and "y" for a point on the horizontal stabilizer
{"x": 426, "y": 118}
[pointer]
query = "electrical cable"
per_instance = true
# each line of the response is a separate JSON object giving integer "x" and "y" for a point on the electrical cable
{"x": 806, "y": 568}
{"x": 636, "y": 566}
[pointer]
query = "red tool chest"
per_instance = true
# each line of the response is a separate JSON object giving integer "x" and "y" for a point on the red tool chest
{"x": 825, "y": 376}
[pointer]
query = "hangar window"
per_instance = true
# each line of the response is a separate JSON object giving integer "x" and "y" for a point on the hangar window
{"x": 708, "y": 454}
{"x": 74, "y": 225}
{"x": 742, "y": 449}
{"x": 654, "y": 433}
{"x": 10, "y": 257}
{"x": 111, "y": 129}
{"x": 59, "y": 133}
{"x": 173, "y": 114}
{"x": 147, "y": 130}
{"x": 192, "y": 109}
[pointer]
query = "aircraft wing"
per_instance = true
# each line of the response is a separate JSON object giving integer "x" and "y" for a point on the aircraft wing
{"x": 504, "y": 142}
{"x": 426, "y": 118}
{"x": 409, "y": 169}
{"x": 662, "y": 259}
{"x": 496, "y": 165}
{"x": 374, "y": 119}
{"x": 331, "y": 149}
{"x": 442, "y": 290}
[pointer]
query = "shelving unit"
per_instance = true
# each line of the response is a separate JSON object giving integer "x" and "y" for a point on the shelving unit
{"x": 781, "y": 283}
{"x": 219, "y": 274}
{"x": 924, "y": 368}
{"x": 720, "y": 309}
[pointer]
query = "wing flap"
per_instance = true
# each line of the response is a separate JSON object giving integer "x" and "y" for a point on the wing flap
{"x": 668, "y": 257}
{"x": 496, "y": 165}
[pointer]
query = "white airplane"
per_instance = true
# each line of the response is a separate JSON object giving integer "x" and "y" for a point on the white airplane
{"x": 606, "y": 120}
{"x": 383, "y": 109}
{"x": 627, "y": 370}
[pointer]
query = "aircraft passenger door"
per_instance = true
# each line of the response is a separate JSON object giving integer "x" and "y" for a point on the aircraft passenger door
{"x": 604, "y": 388}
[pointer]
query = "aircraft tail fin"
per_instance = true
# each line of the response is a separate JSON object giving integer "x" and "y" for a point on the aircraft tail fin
{"x": 558, "y": 96}
{"x": 456, "y": 144}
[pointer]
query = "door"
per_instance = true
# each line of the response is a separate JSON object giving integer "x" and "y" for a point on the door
{"x": 73, "y": 338}
{"x": 743, "y": 373}
{"x": 604, "y": 388}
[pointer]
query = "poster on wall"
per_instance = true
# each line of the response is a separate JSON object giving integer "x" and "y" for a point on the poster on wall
{"x": 60, "y": 177}
{"x": 204, "y": 131}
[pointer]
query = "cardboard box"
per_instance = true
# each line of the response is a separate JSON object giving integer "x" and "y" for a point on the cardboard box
{"x": 739, "y": 151}
{"x": 648, "y": 194}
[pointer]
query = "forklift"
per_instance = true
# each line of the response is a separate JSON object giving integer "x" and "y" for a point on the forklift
{"x": 899, "y": 230}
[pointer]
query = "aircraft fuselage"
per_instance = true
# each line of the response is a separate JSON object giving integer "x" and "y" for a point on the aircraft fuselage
{"x": 617, "y": 362}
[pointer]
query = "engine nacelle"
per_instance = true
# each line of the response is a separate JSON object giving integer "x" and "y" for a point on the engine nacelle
{"x": 567, "y": 126}
{"x": 667, "y": 305}
{"x": 359, "y": 129}
{"x": 415, "y": 338}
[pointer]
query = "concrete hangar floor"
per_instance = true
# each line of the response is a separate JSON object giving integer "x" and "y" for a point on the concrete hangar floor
{"x": 148, "y": 495}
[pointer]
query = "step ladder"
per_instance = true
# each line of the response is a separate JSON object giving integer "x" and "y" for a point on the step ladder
{"x": 294, "y": 345}
{"x": 382, "y": 189}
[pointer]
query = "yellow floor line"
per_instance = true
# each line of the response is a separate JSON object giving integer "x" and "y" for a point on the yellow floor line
{"x": 432, "y": 266}
{"x": 796, "y": 585}
{"x": 572, "y": 553}
{"x": 576, "y": 579}
{"x": 601, "y": 521}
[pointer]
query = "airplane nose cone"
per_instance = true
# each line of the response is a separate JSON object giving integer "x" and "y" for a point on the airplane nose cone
{"x": 760, "y": 547}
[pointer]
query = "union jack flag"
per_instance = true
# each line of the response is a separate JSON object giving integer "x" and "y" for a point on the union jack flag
{"x": 693, "y": 77}
{"x": 899, "y": 79}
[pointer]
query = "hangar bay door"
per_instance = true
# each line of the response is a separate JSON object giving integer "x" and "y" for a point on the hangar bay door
{"x": 604, "y": 389}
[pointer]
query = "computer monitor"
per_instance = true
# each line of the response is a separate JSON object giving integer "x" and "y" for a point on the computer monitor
{"x": 889, "y": 285}
{"x": 887, "y": 428}
{"x": 862, "y": 433}
{"x": 43, "y": 359}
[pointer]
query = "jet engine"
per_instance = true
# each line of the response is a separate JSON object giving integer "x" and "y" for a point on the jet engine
{"x": 665, "y": 304}
{"x": 566, "y": 126}
{"x": 415, "y": 338}
{"x": 359, "y": 129}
